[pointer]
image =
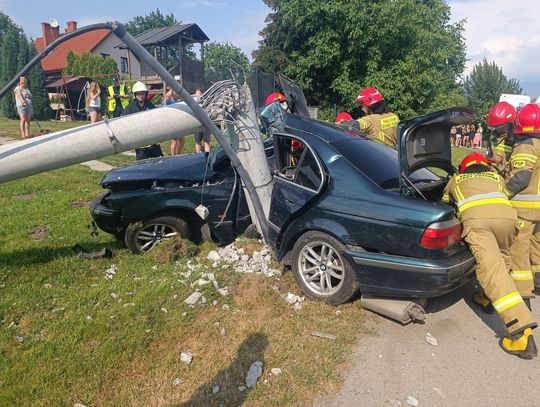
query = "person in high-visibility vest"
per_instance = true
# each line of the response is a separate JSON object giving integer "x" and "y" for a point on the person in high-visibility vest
{"x": 118, "y": 98}
{"x": 489, "y": 223}
{"x": 379, "y": 124}
{"x": 523, "y": 187}
{"x": 500, "y": 121}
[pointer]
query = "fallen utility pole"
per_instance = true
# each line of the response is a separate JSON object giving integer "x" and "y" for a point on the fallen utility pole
{"x": 144, "y": 56}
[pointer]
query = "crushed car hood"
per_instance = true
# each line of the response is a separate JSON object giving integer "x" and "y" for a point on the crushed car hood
{"x": 189, "y": 167}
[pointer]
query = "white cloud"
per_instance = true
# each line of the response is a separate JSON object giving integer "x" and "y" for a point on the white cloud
{"x": 506, "y": 33}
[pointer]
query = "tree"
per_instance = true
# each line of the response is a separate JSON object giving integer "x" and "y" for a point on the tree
{"x": 155, "y": 19}
{"x": 91, "y": 65}
{"x": 408, "y": 49}
{"x": 9, "y": 53}
{"x": 36, "y": 80}
{"x": 484, "y": 86}
{"x": 220, "y": 59}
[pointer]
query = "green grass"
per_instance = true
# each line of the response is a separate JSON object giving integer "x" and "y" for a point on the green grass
{"x": 84, "y": 341}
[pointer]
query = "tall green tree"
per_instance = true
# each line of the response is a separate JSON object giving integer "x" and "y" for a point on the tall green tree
{"x": 484, "y": 86}
{"x": 9, "y": 57}
{"x": 409, "y": 49}
{"x": 222, "y": 58}
{"x": 155, "y": 19}
{"x": 36, "y": 80}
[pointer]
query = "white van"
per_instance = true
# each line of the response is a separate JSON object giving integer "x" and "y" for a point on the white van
{"x": 518, "y": 101}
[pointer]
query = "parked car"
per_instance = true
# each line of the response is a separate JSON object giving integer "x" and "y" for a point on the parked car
{"x": 346, "y": 213}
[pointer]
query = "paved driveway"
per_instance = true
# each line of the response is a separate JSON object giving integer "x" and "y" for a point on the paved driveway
{"x": 466, "y": 368}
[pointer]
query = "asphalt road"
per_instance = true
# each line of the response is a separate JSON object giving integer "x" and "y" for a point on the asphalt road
{"x": 466, "y": 368}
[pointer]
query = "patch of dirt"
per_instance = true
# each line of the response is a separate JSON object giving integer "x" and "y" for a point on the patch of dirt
{"x": 174, "y": 249}
{"x": 26, "y": 197}
{"x": 38, "y": 233}
{"x": 79, "y": 203}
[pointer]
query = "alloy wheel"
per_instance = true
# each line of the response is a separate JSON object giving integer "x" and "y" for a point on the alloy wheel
{"x": 321, "y": 268}
{"x": 151, "y": 235}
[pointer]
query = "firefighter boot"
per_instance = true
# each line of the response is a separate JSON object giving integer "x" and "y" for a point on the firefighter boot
{"x": 523, "y": 346}
{"x": 484, "y": 302}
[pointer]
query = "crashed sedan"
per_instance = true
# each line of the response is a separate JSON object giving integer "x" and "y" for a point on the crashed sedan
{"x": 347, "y": 214}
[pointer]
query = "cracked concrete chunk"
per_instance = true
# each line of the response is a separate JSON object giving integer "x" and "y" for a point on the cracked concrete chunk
{"x": 255, "y": 371}
{"x": 186, "y": 357}
{"x": 213, "y": 256}
{"x": 193, "y": 298}
{"x": 276, "y": 371}
{"x": 412, "y": 401}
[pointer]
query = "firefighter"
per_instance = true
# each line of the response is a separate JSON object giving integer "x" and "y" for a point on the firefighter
{"x": 378, "y": 123}
{"x": 141, "y": 103}
{"x": 523, "y": 187}
{"x": 118, "y": 98}
{"x": 343, "y": 117}
{"x": 489, "y": 224}
{"x": 500, "y": 121}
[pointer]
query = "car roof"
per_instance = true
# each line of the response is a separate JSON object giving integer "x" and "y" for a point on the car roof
{"x": 327, "y": 132}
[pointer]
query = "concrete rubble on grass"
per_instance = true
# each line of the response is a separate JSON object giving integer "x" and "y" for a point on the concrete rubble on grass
{"x": 177, "y": 381}
{"x": 257, "y": 263}
{"x": 276, "y": 371}
{"x": 186, "y": 357}
{"x": 111, "y": 271}
{"x": 255, "y": 371}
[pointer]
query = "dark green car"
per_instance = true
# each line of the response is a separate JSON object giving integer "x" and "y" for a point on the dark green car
{"x": 347, "y": 213}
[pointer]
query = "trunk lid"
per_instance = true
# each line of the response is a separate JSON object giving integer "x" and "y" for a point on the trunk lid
{"x": 424, "y": 141}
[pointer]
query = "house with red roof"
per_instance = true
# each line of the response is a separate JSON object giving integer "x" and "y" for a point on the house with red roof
{"x": 100, "y": 42}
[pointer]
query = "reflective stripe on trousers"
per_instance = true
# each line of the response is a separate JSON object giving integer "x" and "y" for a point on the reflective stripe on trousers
{"x": 503, "y": 303}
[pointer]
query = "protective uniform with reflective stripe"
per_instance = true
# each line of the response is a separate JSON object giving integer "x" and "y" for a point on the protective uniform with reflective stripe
{"x": 500, "y": 154}
{"x": 488, "y": 228}
{"x": 523, "y": 186}
{"x": 479, "y": 195}
{"x": 381, "y": 128}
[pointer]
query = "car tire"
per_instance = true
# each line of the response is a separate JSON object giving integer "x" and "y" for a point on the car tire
{"x": 321, "y": 270}
{"x": 144, "y": 235}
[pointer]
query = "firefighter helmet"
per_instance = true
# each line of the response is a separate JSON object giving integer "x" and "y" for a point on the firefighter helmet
{"x": 343, "y": 117}
{"x": 369, "y": 96}
{"x": 501, "y": 113}
{"x": 472, "y": 159}
{"x": 139, "y": 87}
{"x": 272, "y": 97}
{"x": 528, "y": 119}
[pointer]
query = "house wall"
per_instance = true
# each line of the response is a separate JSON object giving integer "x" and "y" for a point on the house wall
{"x": 107, "y": 46}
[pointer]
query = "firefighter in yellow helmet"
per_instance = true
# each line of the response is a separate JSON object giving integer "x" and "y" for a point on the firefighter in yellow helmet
{"x": 379, "y": 124}
{"x": 489, "y": 228}
{"x": 523, "y": 187}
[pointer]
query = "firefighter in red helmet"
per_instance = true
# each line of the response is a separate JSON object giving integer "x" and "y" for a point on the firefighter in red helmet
{"x": 500, "y": 121}
{"x": 523, "y": 188}
{"x": 378, "y": 123}
{"x": 489, "y": 227}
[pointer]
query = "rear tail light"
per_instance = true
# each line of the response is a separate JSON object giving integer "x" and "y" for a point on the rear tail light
{"x": 441, "y": 234}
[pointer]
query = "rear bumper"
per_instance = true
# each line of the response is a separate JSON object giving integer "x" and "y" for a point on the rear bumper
{"x": 105, "y": 217}
{"x": 397, "y": 276}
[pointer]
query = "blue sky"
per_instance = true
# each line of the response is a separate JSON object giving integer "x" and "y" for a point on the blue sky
{"x": 502, "y": 31}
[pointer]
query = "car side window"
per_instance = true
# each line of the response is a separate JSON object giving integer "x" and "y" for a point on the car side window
{"x": 308, "y": 173}
{"x": 297, "y": 163}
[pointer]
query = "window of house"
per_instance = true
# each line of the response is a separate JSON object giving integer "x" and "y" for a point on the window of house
{"x": 123, "y": 65}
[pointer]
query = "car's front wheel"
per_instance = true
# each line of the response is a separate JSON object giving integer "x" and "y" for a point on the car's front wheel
{"x": 143, "y": 236}
{"x": 320, "y": 269}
